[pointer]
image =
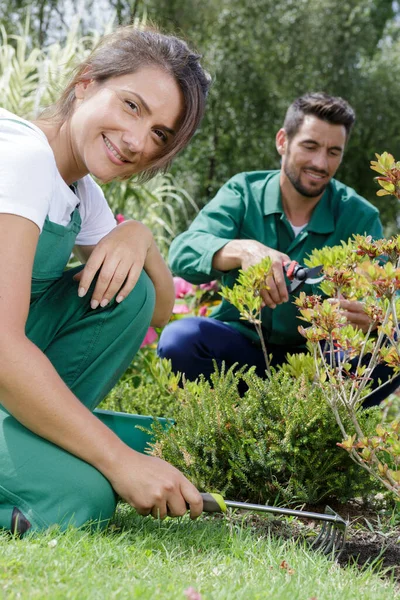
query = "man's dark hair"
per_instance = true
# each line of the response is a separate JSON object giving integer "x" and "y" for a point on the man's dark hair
{"x": 333, "y": 110}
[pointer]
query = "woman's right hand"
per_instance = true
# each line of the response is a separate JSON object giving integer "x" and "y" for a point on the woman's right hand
{"x": 153, "y": 486}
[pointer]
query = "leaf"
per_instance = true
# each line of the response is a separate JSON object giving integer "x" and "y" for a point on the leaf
{"x": 380, "y": 430}
{"x": 394, "y": 475}
{"x": 387, "y": 185}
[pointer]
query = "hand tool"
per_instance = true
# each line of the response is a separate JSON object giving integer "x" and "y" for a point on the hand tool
{"x": 298, "y": 275}
{"x": 331, "y": 539}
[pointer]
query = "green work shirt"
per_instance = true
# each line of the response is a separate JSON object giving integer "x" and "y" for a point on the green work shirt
{"x": 249, "y": 206}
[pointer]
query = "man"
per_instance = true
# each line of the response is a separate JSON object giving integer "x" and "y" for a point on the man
{"x": 282, "y": 214}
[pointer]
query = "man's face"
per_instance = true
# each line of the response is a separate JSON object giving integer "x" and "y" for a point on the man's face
{"x": 313, "y": 155}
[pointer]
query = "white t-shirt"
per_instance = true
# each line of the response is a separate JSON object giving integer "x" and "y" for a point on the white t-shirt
{"x": 297, "y": 228}
{"x": 32, "y": 187}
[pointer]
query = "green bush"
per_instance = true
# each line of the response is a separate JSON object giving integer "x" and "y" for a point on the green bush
{"x": 148, "y": 388}
{"x": 277, "y": 443}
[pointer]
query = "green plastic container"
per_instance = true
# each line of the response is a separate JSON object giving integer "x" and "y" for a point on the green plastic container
{"x": 124, "y": 426}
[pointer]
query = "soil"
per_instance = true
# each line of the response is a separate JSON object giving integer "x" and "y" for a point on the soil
{"x": 369, "y": 542}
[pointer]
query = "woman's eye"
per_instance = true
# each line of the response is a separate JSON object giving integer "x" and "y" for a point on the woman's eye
{"x": 132, "y": 105}
{"x": 159, "y": 133}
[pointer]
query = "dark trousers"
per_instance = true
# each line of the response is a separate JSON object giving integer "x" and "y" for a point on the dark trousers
{"x": 193, "y": 343}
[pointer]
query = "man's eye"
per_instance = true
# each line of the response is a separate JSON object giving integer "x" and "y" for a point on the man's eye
{"x": 309, "y": 146}
{"x": 132, "y": 105}
{"x": 159, "y": 133}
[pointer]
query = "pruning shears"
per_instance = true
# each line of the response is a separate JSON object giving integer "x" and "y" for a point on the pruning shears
{"x": 298, "y": 275}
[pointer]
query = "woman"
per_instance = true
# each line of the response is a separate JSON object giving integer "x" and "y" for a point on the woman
{"x": 67, "y": 336}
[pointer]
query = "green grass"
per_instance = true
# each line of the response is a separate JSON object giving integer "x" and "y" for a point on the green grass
{"x": 141, "y": 558}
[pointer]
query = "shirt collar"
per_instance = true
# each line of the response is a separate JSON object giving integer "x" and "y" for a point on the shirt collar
{"x": 272, "y": 196}
{"x": 322, "y": 219}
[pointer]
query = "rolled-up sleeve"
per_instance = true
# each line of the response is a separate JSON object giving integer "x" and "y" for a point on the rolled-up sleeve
{"x": 191, "y": 253}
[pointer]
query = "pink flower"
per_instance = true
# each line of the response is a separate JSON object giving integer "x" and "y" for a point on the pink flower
{"x": 210, "y": 286}
{"x": 180, "y": 309}
{"x": 182, "y": 287}
{"x": 192, "y": 594}
{"x": 120, "y": 218}
{"x": 203, "y": 311}
{"x": 149, "y": 338}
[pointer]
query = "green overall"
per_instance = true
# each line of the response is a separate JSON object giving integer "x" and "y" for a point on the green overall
{"x": 40, "y": 483}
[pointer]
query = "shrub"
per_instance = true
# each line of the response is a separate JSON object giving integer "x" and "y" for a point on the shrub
{"x": 148, "y": 388}
{"x": 277, "y": 443}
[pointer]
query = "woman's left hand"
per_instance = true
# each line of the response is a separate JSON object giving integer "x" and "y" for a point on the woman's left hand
{"x": 118, "y": 259}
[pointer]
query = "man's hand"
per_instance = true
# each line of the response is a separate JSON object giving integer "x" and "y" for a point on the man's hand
{"x": 277, "y": 293}
{"x": 355, "y": 314}
{"x": 246, "y": 253}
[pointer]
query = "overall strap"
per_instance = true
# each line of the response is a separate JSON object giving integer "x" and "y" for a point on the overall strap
{"x": 17, "y": 121}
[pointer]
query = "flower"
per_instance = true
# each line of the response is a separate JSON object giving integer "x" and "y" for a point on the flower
{"x": 180, "y": 309}
{"x": 120, "y": 218}
{"x": 182, "y": 287}
{"x": 192, "y": 594}
{"x": 150, "y": 337}
{"x": 203, "y": 310}
{"x": 210, "y": 286}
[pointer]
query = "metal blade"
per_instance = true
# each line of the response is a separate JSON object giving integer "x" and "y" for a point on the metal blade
{"x": 315, "y": 280}
{"x": 314, "y": 271}
{"x": 292, "y": 287}
{"x": 332, "y": 537}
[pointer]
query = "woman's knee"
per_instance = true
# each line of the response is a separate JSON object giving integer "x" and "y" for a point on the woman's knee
{"x": 78, "y": 497}
{"x": 91, "y": 500}
{"x": 42, "y": 485}
{"x": 141, "y": 300}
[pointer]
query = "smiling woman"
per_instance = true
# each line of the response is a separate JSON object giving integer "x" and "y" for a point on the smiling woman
{"x": 128, "y": 51}
{"x": 67, "y": 336}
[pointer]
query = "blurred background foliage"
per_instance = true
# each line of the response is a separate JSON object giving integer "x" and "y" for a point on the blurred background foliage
{"x": 262, "y": 54}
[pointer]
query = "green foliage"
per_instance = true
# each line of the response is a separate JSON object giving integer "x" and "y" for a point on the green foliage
{"x": 300, "y": 365}
{"x": 143, "y": 558}
{"x": 32, "y": 78}
{"x": 149, "y": 387}
{"x": 368, "y": 270}
{"x": 246, "y": 296}
{"x": 275, "y": 444}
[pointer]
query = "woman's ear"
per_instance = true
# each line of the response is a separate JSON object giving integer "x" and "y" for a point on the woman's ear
{"x": 85, "y": 80}
{"x": 281, "y": 141}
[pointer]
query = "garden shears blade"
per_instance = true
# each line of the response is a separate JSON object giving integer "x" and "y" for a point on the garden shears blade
{"x": 330, "y": 541}
{"x": 298, "y": 275}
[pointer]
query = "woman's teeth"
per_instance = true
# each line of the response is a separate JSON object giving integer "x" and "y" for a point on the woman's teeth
{"x": 113, "y": 150}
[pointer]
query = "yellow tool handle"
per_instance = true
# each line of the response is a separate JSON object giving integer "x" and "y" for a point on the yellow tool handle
{"x": 213, "y": 503}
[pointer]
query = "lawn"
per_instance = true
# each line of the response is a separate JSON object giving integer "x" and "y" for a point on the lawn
{"x": 238, "y": 557}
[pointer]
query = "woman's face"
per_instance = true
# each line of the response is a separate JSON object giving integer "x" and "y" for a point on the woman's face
{"x": 121, "y": 126}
